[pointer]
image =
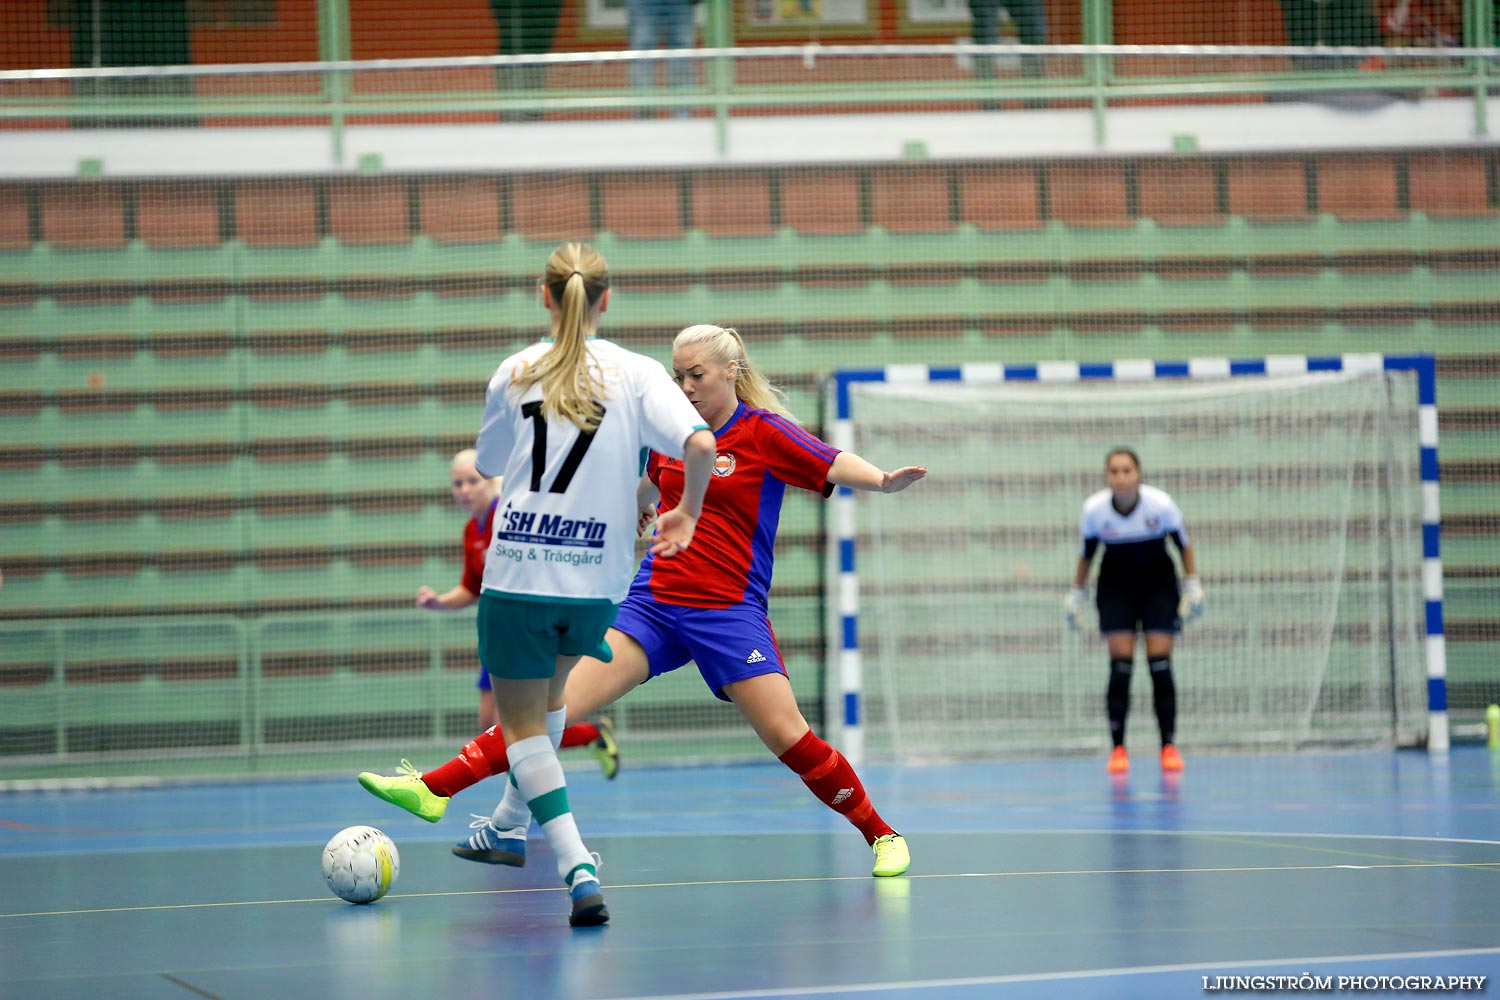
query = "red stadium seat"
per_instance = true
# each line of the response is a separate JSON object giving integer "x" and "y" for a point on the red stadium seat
{"x": 1450, "y": 184}
{"x": 15, "y": 218}
{"x": 1089, "y": 194}
{"x": 1178, "y": 192}
{"x": 280, "y": 213}
{"x": 642, "y": 206}
{"x": 821, "y": 202}
{"x": 552, "y": 207}
{"x": 1000, "y": 197}
{"x": 911, "y": 199}
{"x": 1358, "y": 187}
{"x": 369, "y": 211}
{"x": 732, "y": 203}
{"x": 83, "y": 216}
{"x": 177, "y": 214}
{"x": 460, "y": 210}
{"x": 1268, "y": 190}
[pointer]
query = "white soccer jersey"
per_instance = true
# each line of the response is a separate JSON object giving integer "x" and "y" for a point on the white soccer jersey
{"x": 565, "y": 525}
{"x": 1135, "y": 543}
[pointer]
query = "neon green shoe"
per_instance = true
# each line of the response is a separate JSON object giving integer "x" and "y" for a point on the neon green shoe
{"x": 891, "y": 855}
{"x": 407, "y": 791}
{"x": 604, "y": 748}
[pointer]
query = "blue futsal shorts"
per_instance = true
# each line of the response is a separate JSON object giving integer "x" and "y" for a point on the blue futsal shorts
{"x": 728, "y": 644}
{"x": 484, "y": 680}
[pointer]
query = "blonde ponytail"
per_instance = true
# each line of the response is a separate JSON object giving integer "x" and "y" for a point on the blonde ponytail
{"x": 725, "y": 346}
{"x": 576, "y": 277}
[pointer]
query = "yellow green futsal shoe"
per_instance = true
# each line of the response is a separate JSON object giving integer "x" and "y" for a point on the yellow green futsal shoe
{"x": 604, "y": 748}
{"x": 891, "y": 855}
{"x": 407, "y": 791}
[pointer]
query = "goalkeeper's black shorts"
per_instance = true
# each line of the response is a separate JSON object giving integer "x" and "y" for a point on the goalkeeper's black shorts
{"x": 1149, "y": 609}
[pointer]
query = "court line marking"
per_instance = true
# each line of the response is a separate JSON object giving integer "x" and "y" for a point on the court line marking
{"x": 1238, "y": 869}
{"x": 1045, "y": 977}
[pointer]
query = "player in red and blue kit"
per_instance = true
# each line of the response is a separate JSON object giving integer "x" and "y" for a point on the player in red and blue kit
{"x": 708, "y": 604}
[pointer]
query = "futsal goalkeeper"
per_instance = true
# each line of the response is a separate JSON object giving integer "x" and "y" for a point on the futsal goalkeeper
{"x": 480, "y": 496}
{"x": 1137, "y": 590}
{"x": 707, "y": 604}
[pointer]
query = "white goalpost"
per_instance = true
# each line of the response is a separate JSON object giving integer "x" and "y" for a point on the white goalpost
{"x": 1309, "y": 489}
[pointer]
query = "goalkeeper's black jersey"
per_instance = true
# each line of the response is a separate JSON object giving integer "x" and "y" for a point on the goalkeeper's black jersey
{"x": 1135, "y": 543}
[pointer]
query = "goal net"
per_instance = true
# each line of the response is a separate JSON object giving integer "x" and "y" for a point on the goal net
{"x": 1301, "y": 495}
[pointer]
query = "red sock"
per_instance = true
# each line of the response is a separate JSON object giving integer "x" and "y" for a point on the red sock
{"x": 579, "y": 735}
{"x": 481, "y": 757}
{"x": 825, "y": 771}
{"x": 484, "y": 755}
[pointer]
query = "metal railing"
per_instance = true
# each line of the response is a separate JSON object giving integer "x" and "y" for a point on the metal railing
{"x": 731, "y": 82}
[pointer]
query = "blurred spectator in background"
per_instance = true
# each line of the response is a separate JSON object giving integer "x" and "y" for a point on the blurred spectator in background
{"x": 1422, "y": 23}
{"x": 527, "y": 27}
{"x": 662, "y": 24}
{"x": 1028, "y": 19}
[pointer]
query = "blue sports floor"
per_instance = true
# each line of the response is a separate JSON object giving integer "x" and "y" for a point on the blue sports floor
{"x": 1029, "y": 879}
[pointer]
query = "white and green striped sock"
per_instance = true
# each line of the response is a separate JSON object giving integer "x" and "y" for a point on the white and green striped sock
{"x": 539, "y": 776}
{"x": 511, "y": 815}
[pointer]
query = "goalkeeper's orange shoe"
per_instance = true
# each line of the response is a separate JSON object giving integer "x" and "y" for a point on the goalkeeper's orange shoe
{"x": 1171, "y": 760}
{"x": 1119, "y": 761}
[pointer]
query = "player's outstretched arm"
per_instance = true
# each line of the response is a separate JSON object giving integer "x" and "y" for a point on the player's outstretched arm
{"x": 674, "y": 528}
{"x": 850, "y": 470}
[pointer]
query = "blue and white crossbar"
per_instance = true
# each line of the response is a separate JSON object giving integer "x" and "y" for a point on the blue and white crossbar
{"x": 850, "y": 673}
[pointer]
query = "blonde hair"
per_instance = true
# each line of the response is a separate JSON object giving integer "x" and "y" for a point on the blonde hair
{"x": 725, "y": 346}
{"x": 576, "y": 277}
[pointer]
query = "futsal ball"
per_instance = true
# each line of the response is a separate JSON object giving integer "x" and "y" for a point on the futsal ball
{"x": 360, "y": 864}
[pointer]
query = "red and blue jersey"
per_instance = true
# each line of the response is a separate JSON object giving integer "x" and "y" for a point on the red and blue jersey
{"x": 478, "y": 534}
{"x": 759, "y": 455}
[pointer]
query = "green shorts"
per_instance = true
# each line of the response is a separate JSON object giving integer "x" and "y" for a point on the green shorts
{"x": 520, "y": 638}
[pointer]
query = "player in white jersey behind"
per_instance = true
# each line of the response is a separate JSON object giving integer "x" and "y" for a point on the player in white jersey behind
{"x": 566, "y": 421}
{"x": 1137, "y": 590}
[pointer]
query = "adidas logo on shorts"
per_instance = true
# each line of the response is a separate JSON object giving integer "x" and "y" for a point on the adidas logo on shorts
{"x": 756, "y": 656}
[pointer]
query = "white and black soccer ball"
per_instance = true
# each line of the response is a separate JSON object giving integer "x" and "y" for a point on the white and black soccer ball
{"x": 360, "y": 864}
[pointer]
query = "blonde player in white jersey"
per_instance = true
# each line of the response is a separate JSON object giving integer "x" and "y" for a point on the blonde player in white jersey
{"x": 1137, "y": 590}
{"x": 566, "y": 422}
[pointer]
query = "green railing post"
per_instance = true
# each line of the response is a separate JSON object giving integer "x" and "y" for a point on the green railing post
{"x": 719, "y": 32}
{"x": 1099, "y": 29}
{"x": 333, "y": 46}
{"x": 1479, "y": 33}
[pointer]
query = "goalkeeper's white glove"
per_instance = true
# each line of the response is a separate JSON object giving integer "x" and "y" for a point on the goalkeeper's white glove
{"x": 1076, "y": 601}
{"x": 1191, "y": 605}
